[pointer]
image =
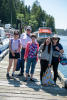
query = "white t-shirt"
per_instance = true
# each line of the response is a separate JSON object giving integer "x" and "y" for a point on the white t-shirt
{"x": 25, "y": 39}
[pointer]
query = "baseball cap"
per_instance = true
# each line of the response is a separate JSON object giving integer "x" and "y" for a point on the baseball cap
{"x": 29, "y": 28}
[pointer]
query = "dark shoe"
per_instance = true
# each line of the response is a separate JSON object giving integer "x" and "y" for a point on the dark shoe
{"x": 32, "y": 80}
{"x": 54, "y": 82}
{"x": 28, "y": 75}
{"x": 13, "y": 75}
{"x": 7, "y": 75}
{"x": 21, "y": 74}
{"x": 25, "y": 80}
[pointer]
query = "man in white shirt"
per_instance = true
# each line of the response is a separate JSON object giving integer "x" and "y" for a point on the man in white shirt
{"x": 25, "y": 38}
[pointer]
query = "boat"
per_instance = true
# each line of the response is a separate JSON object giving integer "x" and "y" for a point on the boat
{"x": 43, "y": 33}
{"x": 4, "y": 42}
{"x": 2, "y": 32}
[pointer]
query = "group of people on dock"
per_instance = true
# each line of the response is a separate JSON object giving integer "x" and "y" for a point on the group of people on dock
{"x": 27, "y": 48}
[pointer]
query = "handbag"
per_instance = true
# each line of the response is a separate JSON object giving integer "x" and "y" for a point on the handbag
{"x": 63, "y": 59}
{"x": 47, "y": 78}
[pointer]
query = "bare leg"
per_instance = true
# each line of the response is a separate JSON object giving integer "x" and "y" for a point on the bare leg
{"x": 10, "y": 64}
{"x": 31, "y": 76}
{"x": 15, "y": 64}
{"x": 26, "y": 76}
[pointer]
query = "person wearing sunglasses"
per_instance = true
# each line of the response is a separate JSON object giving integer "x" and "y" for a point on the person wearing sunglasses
{"x": 14, "y": 52}
{"x": 25, "y": 38}
{"x": 57, "y": 50}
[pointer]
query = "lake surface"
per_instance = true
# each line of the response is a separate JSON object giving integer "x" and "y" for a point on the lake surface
{"x": 63, "y": 68}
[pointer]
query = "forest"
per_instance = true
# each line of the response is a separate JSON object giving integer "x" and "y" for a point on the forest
{"x": 15, "y": 11}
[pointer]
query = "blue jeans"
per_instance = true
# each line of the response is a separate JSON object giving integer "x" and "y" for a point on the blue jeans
{"x": 23, "y": 61}
{"x": 31, "y": 62}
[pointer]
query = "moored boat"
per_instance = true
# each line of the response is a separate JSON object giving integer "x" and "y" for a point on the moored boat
{"x": 43, "y": 33}
{"x": 4, "y": 42}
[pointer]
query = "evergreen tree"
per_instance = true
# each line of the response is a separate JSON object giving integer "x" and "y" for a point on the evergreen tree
{"x": 12, "y": 11}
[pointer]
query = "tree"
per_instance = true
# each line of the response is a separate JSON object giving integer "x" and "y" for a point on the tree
{"x": 50, "y": 23}
{"x": 33, "y": 22}
{"x": 12, "y": 11}
{"x": 6, "y": 8}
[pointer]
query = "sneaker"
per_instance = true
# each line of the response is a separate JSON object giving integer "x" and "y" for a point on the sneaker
{"x": 25, "y": 80}
{"x": 13, "y": 75}
{"x": 21, "y": 74}
{"x": 32, "y": 80}
{"x": 7, "y": 75}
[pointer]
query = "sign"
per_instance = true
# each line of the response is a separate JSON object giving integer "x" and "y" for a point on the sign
{"x": 45, "y": 31}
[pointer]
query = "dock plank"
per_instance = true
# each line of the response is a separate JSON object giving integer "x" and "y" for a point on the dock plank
{"x": 17, "y": 89}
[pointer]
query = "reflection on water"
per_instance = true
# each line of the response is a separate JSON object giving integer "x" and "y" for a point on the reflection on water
{"x": 63, "y": 69}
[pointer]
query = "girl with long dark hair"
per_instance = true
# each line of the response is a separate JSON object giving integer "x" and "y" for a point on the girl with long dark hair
{"x": 45, "y": 55}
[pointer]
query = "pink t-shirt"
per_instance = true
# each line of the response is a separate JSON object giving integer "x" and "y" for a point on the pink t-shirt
{"x": 15, "y": 44}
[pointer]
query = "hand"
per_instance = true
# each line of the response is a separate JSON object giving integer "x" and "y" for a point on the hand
{"x": 57, "y": 48}
{"x": 26, "y": 59}
{"x": 49, "y": 65}
{"x": 13, "y": 53}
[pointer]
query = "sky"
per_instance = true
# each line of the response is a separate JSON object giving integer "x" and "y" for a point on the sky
{"x": 56, "y": 8}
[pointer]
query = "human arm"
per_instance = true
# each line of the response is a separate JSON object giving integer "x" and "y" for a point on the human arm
{"x": 37, "y": 51}
{"x": 19, "y": 46}
{"x": 10, "y": 49}
{"x": 60, "y": 48}
{"x": 26, "y": 51}
{"x": 50, "y": 58}
{"x": 37, "y": 47}
{"x": 40, "y": 50}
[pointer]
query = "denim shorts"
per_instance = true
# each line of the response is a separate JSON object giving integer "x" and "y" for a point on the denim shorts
{"x": 31, "y": 62}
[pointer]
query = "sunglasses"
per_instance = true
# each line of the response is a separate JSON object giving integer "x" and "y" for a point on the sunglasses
{"x": 55, "y": 39}
{"x": 28, "y": 30}
{"x": 16, "y": 34}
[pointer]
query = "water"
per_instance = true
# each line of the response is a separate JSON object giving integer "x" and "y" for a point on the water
{"x": 63, "y": 68}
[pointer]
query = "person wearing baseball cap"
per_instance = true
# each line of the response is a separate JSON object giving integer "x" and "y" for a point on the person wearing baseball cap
{"x": 25, "y": 38}
{"x": 29, "y": 28}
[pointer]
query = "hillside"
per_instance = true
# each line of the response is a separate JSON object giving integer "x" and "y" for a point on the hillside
{"x": 61, "y": 31}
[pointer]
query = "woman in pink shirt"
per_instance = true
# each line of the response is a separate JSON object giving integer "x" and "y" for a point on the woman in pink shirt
{"x": 31, "y": 56}
{"x": 14, "y": 52}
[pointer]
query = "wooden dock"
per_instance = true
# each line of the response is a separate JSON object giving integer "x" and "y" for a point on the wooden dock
{"x": 17, "y": 89}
